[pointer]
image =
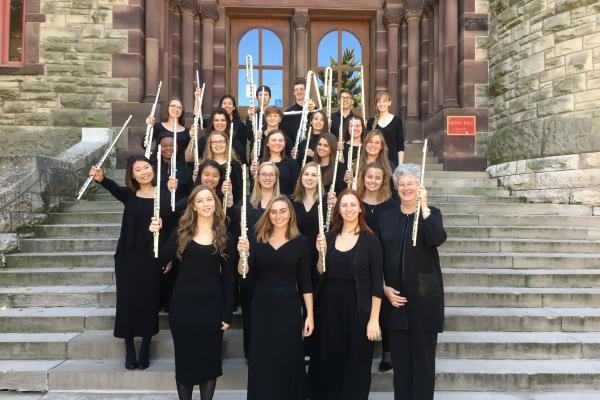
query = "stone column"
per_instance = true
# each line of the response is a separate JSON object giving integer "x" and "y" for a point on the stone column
{"x": 188, "y": 12}
{"x": 404, "y": 67}
{"x": 425, "y": 79}
{"x": 175, "y": 50}
{"x": 432, "y": 53}
{"x": 392, "y": 18}
{"x": 441, "y": 40}
{"x": 300, "y": 20}
{"x": 152, "y": 49}
{"x": 436, "y": 56}
{"x": 210, "y": 15}
{"x": 413, "y": 17}
{"x": 451, "y": 54}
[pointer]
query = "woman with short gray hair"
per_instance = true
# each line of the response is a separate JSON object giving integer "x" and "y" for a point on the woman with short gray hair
{"x": 413, "y": 307}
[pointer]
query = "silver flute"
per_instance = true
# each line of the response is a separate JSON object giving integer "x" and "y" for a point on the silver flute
{"x": 174, "y": 163}
{"x": 418, "y": 209}
{"x": 157, "y": 200}
{"x": 87, "y": 182}
{"x": 243, "y": 222}
{"x": 150, "y": 127}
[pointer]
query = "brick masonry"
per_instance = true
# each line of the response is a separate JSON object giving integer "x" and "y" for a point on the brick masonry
{"x": 544, "y": 90}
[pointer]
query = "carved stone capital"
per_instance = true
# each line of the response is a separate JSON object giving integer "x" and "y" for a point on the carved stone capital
{"x": 300, "y": 19}
{"x": 393, "y": 15}
{"x": 209, "y": 11}
{"x": 188, "y": 7}
{"x": 413, "y": 13}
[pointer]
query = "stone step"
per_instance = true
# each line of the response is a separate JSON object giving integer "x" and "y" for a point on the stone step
{"x": 98, "y": 217}
{"x": 531, "y": 278}
{"x": 57, "y": 276}
{"x": 476, "y": 245}
{"x": 522, "y": 232}
{"x": 78, "y": 319}
{"x": 105, "y": 230}
{"x": 495, "y": 245}
{"x": 241, "y": 395}
{"x": 519, "y": 220}
{"x": 110, "y": 375}
{"x": 67, "y": 244}
{"x": 455, "y": 296}
{"x": 451, "y": 345}
{"x": 64, "y": 259}
{"x": 520, "y": 260}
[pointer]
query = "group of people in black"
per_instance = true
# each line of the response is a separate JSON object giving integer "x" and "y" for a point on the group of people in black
{"x": 310, "y": 322}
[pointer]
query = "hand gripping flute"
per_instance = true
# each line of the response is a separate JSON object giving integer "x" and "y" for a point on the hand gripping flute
{"x": 87, "y": 182}
{"x": 174, "y": 163}
{"x": 311, "y": 82}
{"x": 150, "y": 127}
{"x": 228, "y": 170}
{"x": 157, "y": 201}
{"x": 418, "y": 209}
{"x": 243, "y": 222}
{"x": 320, "y": 212}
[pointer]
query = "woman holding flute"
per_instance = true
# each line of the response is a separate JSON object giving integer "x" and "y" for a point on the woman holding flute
{"x": 138, "y": 275}
{"x": 279, "y": 259}
{"x": 173, "y": 116}
{"x": 275, "y": 153}
{"x": 325, "y": 156}
{"x": 390, "y": 125}
{"x": 413, "y": 310}
{"x": 349, "y": 304}
{"x": 202, "y": 305}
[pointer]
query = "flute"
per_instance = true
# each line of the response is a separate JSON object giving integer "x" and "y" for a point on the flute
{"x": 350, "y": 150}
{"x": 102, "y": 159}
{"x": 157, "y": 200}
{"x": 320, "y": 211}
{"x": 332, "y": 190}
{"x": 355, "y": 178}
{"x": 150, "y": 127}
{"x": 301, "y": 134}
{"x": 259, "y": 134}
{"x": 243, "y": 222}
{"x": 418, "y": 209}
{"x": 198, "y": 119}
{"x": 250, "y": 94}
{"x": 341, "y": 130}
{"x": 362, "y": 93}
{"x": 307, "y": 146}
{"x": 328, "y": 89}
{"x": 228, "y": 171}
{"x": 174, "y": 163}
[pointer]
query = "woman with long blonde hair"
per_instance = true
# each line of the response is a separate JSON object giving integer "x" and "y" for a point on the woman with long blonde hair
{"x": 374, "y": 149}
{"x": 202, "y": 303}
{"x": 390, "y": 125}
{"x": 217, "y": 149}
{"x": 279, "y": 263}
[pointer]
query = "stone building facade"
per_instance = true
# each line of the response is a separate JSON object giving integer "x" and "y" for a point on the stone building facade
{"x": 93, "y": 62}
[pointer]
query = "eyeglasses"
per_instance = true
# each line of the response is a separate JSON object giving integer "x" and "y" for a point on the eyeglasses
{"x": 175, "y": 106}
{"x": 346, "y": 98}
{"x": 267, "y": 175}
{"x": 407, "y": 185}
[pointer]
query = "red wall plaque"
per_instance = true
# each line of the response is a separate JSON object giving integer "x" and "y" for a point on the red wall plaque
{"x": 461, "y": 125}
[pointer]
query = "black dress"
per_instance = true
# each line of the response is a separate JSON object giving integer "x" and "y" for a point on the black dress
{"x": 202, "y": 298}
{"x": 335, "y": 122}
{"x": 302, "y": 148}
{"x": 373, "y": 212}
{"x": 394, "y": 137}
{"x": 138, "y": 275}
{"x": 276, "y": 363}
{"x": 354, "y": 154}
{"x": 183, "y": 139}
{"x": 288, "y": 175}
{"x": 340, "y": 368}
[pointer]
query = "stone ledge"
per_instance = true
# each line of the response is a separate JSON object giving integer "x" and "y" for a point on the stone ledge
{"x": 568, "y": 179}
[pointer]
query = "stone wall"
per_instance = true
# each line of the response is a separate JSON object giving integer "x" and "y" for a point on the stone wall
{"x": 44, "y": 114}
{"x": 544, "y": 78}
{"x": 568, "y": 179}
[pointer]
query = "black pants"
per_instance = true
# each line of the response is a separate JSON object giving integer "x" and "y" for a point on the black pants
{"x": 413, "y": 360}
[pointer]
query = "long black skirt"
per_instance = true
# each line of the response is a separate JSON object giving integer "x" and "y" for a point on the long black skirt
{"x": 276, "y": 360}
{"x": 340, "y": 366}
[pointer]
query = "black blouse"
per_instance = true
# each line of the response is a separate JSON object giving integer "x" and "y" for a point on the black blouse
{"x": 288, "y": 175}
{"x": 183, "y": 139}
{"x": 394, "y": 137}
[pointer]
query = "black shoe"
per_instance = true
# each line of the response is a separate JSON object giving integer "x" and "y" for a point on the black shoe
{"x": 385, "y": 366}
{"x": 143, "y": 365}
{"x": 131, "y": 366}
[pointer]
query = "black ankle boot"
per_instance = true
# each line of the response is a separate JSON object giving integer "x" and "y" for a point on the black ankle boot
{"x": 144, "y": 356}
{"x": 130, "y": 358}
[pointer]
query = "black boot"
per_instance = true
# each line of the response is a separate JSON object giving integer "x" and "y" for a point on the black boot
{"x": 144, "y": 356}
{"x": 130, "y": 359}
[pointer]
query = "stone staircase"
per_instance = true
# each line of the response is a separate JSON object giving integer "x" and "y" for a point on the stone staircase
{"x": 522, "y": 295}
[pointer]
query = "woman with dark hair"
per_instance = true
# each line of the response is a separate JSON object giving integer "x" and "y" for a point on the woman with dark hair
{"x": 413, "y": 310}
{"x": 240, "y": 132}
{"x": 275, "y": 153}
{"x": 173, "y": 115}
{"x": 355, "y": 128}
{"x": 138, "y": 276}
{"x": 218, "y": 150}
{"x": 349, "y": 303}
{"x": 325, "y": 156}
{"x": 318, "y": 125}
{"x": 374, "y": 149}
{"x": 278, "y": 261}
{"x": 202, "y": 305}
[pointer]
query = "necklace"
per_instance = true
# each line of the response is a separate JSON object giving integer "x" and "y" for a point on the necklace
{"x": 370, "y": 207}
{"x": 406, "y": 212}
